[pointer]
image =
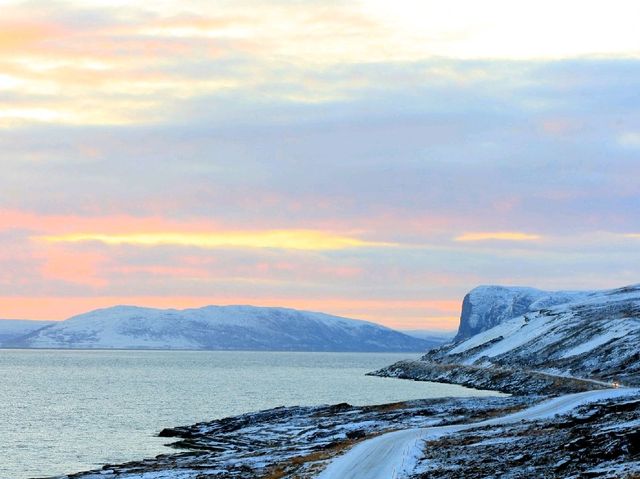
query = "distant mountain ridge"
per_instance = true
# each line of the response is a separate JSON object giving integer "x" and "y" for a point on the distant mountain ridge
{"x": 218, "y": 328}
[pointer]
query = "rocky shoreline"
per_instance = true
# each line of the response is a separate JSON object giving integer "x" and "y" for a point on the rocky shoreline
{"x": 295, "y": 442}
{"x": 596, "y": 440}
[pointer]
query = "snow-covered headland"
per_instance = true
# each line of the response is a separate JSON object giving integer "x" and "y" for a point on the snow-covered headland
{"x": 593, "y": 336}
{"x": 581, "y": 349}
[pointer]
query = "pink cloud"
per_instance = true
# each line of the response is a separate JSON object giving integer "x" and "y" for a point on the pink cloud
{"x": 81, "y": 267}
{"x": 560, "y": 126}
{"x": 122, "y": 223}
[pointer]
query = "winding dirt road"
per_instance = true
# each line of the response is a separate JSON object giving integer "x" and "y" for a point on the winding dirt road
{"x": 393, "y": 455}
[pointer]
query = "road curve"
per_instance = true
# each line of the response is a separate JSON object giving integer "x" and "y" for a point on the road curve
{"x": 392, "y": 455}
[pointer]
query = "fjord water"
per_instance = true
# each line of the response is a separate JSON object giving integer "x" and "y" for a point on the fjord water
{"x": 64, "y": 411}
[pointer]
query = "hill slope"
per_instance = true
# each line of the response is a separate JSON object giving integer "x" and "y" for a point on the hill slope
{"x": 218, "y": 328}
{"x": 11, "y": 329}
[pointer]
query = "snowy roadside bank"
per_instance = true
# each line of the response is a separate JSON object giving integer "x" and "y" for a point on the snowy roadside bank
{"x": 397, "y": 454}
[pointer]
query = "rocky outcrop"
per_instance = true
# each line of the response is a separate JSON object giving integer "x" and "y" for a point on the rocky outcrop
{"x": 596, "y": 440}
{"x": 487, "y": 306}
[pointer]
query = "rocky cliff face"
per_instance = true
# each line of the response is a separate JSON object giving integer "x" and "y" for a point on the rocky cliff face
{"x": 593, "y": 336}
{"x": 487, "y": 306}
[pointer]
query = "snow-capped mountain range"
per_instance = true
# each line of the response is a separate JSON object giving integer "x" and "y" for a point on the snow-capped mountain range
{"x": 590, "y": 335}
{"x": 218, "y": 328}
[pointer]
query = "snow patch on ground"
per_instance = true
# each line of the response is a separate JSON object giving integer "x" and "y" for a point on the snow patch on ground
{"x": 504, "y": 329}
{"x": 531, "y": 329}
{"x": 618, "y": 329}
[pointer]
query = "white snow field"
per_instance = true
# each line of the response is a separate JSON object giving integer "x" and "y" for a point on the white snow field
{"x": 393, "y": 455}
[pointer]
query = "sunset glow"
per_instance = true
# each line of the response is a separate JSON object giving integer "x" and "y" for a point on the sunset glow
{"x": 372, "y": 159}
{"x": 499, "y": 236}
{"x": 296, "y": 240}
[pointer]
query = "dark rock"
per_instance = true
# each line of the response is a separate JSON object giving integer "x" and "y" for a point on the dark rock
{"x": 357, "y": 434}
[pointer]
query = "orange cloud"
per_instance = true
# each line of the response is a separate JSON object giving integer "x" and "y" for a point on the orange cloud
{"x": 80, "y": 267}
{"x": 197, "y": 26}
{"x": 17, "y": 35}
{"x": 498, "y": 236}
{"x": 280, "y": 239}
{"x": 107, "y": 72}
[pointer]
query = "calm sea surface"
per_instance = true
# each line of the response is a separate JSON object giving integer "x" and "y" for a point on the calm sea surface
{"x": 66, "y": 411}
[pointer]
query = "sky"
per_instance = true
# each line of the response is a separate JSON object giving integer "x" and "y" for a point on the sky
{"x": 373, "y": 159}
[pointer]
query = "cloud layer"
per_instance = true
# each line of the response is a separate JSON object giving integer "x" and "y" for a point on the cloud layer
{"x": 340, "y": 156}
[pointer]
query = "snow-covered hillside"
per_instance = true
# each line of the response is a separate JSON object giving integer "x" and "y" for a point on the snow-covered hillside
{"x": 487, "y": 306}
{"x": 219, "y": 328}
{"x": 10, "y": 329}
{"x": 594, "y": 335}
